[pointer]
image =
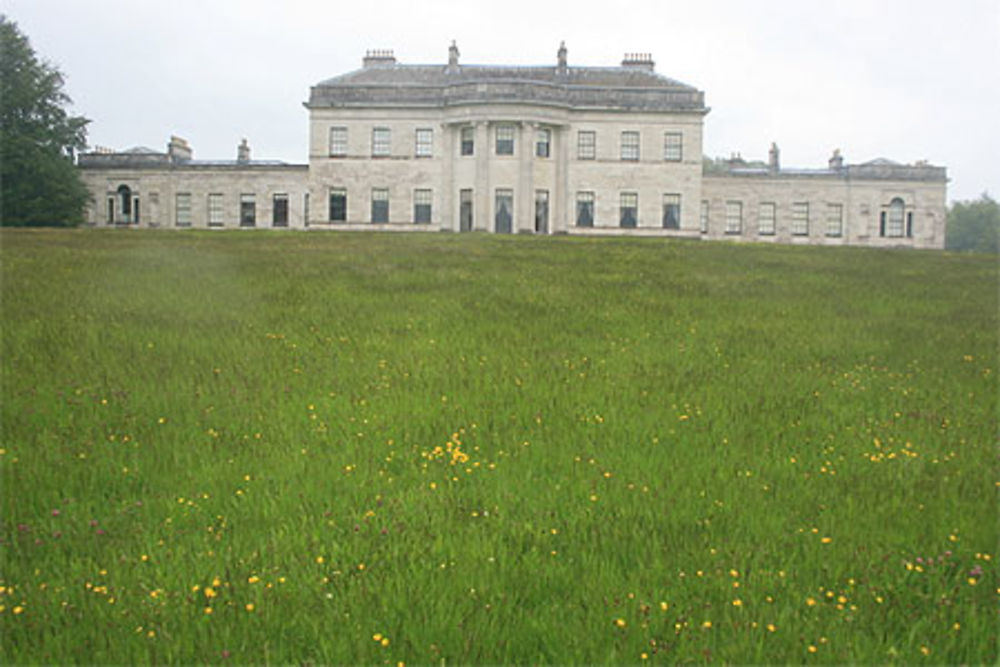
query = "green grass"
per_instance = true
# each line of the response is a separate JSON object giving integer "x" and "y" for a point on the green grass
{"x": 501, "y": 450}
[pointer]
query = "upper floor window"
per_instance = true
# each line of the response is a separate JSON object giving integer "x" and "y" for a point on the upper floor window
{"x": 468, "y": 140}
{"x": 338, "y": 142}
{"x": 630, "y": 145}
{"x": 586, "y": 144}
{"x": 766, "y": 218}
{"x": 505, "y": 140}
{"x": 672, "y": 146}
{"x": 671, "y": 211}
{"x": 381, "y": 141}
{"x": 734, "y": 217}
{"x": 425, "y": 142}
{"x": 800, "y": 218}
{"x": 543, "y": 143}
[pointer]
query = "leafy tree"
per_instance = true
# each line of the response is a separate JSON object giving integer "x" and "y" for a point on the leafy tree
{"x": 974, "y": 225}
{"x": 39, "y": 184}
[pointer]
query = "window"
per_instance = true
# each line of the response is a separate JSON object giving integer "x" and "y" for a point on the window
{"x": 703, "y": 217}
{"x": 585, "y": 209}
{"x": 671, "y": 211}
{"x": 215, "y": 210}
{"x": 305, "y": 209}
{"x": 630, "y": 145}
{"x": 111, "y": 210}
{"x": 338, "y": 142}
{"x": 504, "y": 206}
{"x": 182, "y": 210}
{"x": 505, "y": 140}
{"x": 628, "y": 210}
{"x": 425, "y": 142}
{"x": 894, "y": 225}
{"x": 734, "y": 217}
{"x": 468, "y": 140}
{"x": 338, "y": 205}
{"x": 800, "y": 218}
{"x": 766, "y": 218}
{"x": 586, "y": 144}
{"x": 541, "y": 211}
{"x": 672, "y": 142}
{"x": 465, "y": 210}
{"x": 834, "y": 219}
{"x": 543, "y": 143}
{"x": 381, "y": 142}
{"x": 909, "y": 220}
{"x": 422, "y": 206}
{"x": 279, "y": 211}
{"x": 248, "y": 210}
{"x": 380, "y": 205}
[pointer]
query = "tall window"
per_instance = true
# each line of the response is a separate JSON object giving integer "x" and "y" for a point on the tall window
{"x": 800, "y": 218}
{"x": 703, "y": 217}
{"x": 734, "y": 217}
{"x": 380, "y": 205}
{"x": 766, "y": 218}
{"x": 671, "y": 211}
{"x": 248, "y": 210}
{"x": 628, "y": 210}
{"x": 465, "y": 210}
{"x": 468, "y": 140}
{"x": 541, "y": 211}
{"x": 279, "y": 210}
{"x": 381, "y": 142}
{"x": 111, "y": 210}
{"x": 543, "y": 143}
{"x": 630, "y": 145}
{"x": 425, "y": 142}
{"x": 338, "y": 142}
{"x": 182, "y": 209}
{"x": 586, "y": 144}
{"x": 585, "y": 209}
{"x": 672, "y": 146}
{"x": 215, "y": 210}
{"x": 892, "y": 224}
{"x": 338, "y": 205}
{"x": 505, "y": 139}
{"x": 834, "y": 219}
{"x": 422, "y": 206}
{"x": 504, "y": 206}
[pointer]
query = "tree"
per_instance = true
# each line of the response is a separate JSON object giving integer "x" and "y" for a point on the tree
{"x": 39, "y": 183}
{"x": 974, "y": 225}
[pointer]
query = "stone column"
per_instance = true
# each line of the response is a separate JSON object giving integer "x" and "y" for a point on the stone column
{"x": 562, "y": 203}
{"x": 524, "y": 197}
{"x": 482, "y": 209}
{"x": 448, "y": 199}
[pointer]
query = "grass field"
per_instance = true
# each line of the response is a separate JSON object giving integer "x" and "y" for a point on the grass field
{"x": 363, "y": 448}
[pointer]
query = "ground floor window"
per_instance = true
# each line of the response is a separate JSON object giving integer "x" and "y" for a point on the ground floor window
{"x": 279, "y": 210}
{"x": 380, "y": 205}
{"x": 465, "y": 210}
{"x": 215, "y": 210}
{"x": 766, "y": 218}
{"x": 585, "y": 209}
{"x": 834, "y": 219}
{"x": 422, "y": 206}
{"x": 734, "y": 217}
{"x": 541, "y": 211}
{"x": 671, "y": 211}
{"x": 893, "y": 223}
{"x": 800, "y": 218}
{"x": 182, "y": 209}
{"x": 628, "y": 210}
{"x": 504, "y": 207}
{"x": 703, "y": 217}
{"x": 338, "y": 205}
{"x": 248, "y": 210}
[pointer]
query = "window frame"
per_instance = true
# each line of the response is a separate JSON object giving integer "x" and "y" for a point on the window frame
{"x": 338, "y": 141}
{"x": 340, "y": 206}
{"x": 380, "y": 206}
{"x": 182, "y": 205}
{"x": 586, "y": 200}
{"x": 248, "y": 209}
{"x": 630, "y": 146}
{"x": 279, "y": 209}
{"x": 586, "y": 145}
{"x": 467, "y": 141}
{"x": 381, "y": 141}
{"x": 671, "y": 204}
{"x": 504, "y": 144}
{"x": 703, "y": 213}
{"x": 673, "y": 146}
{"x": 216, "y": 210}
{"x": 423, "y": 205}
{"x": 771, "y": 229}
{"x": 800, "y": 218}
{"x": 734, "y": 217}
{"x": 503, "y": 195}
{"x": 628, "y": 201}
{"x": 834, "y": 220}
{"x": 543, "y": 142}
{"x": 423, "y": 138}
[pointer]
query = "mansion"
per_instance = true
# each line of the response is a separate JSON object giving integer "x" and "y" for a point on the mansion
{"x": 543, "y": 150}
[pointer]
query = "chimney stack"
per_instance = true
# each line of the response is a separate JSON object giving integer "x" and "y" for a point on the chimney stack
{"x": 774, "y": 159}
{"x": 379, "y": 58}
{"x": 836, "y": 160}
{"x": 561, "y": 55}
{"x": 243, "y": 152}
{"x": 453, "y": 57}
{"x": 178, "y": 150}
{"x": 642, "y": 61}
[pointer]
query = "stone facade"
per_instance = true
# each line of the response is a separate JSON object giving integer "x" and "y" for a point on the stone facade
{"x": 548, "y": 149}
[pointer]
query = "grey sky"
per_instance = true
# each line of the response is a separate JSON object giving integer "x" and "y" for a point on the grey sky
{"x": 902, "y": 79}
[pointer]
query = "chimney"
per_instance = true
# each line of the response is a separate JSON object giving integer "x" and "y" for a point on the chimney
{"x": 452, "y": 57}
{"x": 641, "y": 61}
{"x": 178, "y": 150}
{"x": 243, "y": 152}
{"x": 561, "y": 55}
{"x": 774, "y": 159}
{"x": 836, "y": 160}
{"x": 378, "y": 58}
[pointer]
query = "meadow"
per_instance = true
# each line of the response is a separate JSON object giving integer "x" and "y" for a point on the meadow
{"x": 412, "y": 449}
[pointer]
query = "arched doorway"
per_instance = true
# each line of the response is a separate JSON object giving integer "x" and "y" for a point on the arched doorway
{"x": 124, "y": 204}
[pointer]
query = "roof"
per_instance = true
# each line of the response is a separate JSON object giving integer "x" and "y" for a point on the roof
{"x": 626, "y": 87}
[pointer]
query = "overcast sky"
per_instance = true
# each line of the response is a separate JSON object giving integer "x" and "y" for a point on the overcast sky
{"x": 901, "y": 79}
